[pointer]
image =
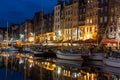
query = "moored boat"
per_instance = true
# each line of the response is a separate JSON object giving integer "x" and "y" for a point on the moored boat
{"x": 68, "y": 55}
{"x": 9, "y": 49}
{"x": 113, "y": 59}
{"x": 96, "y": 56}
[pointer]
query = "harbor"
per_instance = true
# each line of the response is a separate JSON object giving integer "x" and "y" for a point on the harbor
{"x": 60, "y": 40}
{"x": 25, "y": 67}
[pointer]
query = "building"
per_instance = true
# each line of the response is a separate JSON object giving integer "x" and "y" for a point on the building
{"x": 88, "y": 19}
{"x": 14, "y": 32}
{"x": 38, "y": 22}
{"x": 70, "y": 23}
{"x": 57, "y": 14}
{"x": 26, "y": 30}
{"x": 48, "y": 25}
{"x": 1, "y": 34}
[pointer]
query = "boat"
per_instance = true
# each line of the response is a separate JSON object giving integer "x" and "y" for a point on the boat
{"x": 110, "y": 69}
{"x": 113, "y": 59}
{"x": 96, "y": 56}
{"x": 68, "y": 55}
{"x": 8, "y": 48}
{"x": 93, "y": 53}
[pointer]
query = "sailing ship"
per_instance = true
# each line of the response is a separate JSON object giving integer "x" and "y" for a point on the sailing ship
{"x": 7, "y": 48}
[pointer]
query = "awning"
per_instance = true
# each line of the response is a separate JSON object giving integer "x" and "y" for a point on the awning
{"x": 104, "y": 41}
{"x": 91, "y": 41}
{"x": 57, "y": 41}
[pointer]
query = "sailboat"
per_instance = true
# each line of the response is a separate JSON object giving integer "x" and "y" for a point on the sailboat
{"x": 7, "y": 48}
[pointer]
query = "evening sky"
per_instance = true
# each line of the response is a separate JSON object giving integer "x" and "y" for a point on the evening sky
{"x": 17, "y": 11}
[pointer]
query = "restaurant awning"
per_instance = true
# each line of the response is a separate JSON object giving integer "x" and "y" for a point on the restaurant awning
{"x": 91, "y": 41}
{"x": 105, "y": 41}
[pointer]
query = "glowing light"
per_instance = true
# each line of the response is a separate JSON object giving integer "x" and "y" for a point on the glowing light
{"x": 59, "y": 70}
{"x": 59, "y": 33}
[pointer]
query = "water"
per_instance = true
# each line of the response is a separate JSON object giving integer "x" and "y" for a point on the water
{"x": 10, "y": 75}
{"x": 20, "y": 68}
{"x": 10, "y": 69}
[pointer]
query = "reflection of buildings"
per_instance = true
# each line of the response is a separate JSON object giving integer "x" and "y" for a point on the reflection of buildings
{"x": 63, "y": 71}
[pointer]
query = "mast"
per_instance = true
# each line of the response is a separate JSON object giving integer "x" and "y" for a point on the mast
{"x": 72, "y": 4}
{"x": 117, "y": 31}
{"x": 7, "y": 35}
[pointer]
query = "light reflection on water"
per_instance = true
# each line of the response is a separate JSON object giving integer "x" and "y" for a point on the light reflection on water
{"x": 56, "y": 69}
{"x": 76, "y": 70}
{"x": 10, "y": 69}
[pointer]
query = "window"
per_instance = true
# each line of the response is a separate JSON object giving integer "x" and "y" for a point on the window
{"x": 101, "y": 20}
{"x": 87, "y": 20}
{"x": 105, "y": 19}
{"x": 106, "y": 9}
{"x": 90, "y": 20}
{"x": 102, "y": 1}
{"x": 101, "y": 10}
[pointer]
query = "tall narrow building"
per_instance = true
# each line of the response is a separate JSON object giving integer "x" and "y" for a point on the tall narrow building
{"x": 57, "y": 15}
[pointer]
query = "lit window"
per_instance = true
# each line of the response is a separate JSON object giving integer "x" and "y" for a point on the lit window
{"x": 105, "y": 19}
{"x": 90, "y": 20}
{"x": 88, "y": 1}
{"x": 87, "y": 20}
{"x": 101, "y": 20}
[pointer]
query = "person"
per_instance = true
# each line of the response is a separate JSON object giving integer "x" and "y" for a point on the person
{"x": 109, "y": 51}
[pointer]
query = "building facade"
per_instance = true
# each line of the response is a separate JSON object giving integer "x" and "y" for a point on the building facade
{"x": 38, "y": 26}
{"x": 57, "y": 13}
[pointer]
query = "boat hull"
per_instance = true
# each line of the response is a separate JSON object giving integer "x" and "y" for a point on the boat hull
{"x": 112, "y": 62}
{"x": 96, "y": 56}
{"x": 69, "y": 56}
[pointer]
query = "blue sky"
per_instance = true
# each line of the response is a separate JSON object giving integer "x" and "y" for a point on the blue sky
{"x": 16, "y": 11}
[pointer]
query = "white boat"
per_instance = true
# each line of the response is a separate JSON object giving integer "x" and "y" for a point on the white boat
{"x": 115, "y": 62}
{"x": 113, "y": 59}
{"x": 68, "y": 56}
